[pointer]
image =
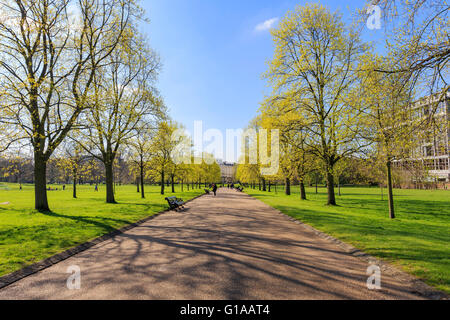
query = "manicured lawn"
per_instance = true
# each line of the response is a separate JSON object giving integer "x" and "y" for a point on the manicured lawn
{"x": 418, "y": 241}
{"x": 27, "y": 236}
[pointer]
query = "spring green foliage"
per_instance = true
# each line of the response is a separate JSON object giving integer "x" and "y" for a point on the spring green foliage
{"x": 313, "y": 69}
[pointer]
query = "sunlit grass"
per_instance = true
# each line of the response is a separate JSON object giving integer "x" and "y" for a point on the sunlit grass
{"x": 417, "y": 241}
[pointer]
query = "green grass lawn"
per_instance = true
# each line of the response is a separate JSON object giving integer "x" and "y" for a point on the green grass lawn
{"x": 418, "y": 241}
{"x": 27, "y": 236}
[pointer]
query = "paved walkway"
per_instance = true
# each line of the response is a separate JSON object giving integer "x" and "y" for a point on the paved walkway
{"x": 228, "y": 247}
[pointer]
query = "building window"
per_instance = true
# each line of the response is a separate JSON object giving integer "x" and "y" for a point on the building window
{"x": 443, "y": 164}
{"x": 428, "y": 151}
{"x": 441, "y": 107}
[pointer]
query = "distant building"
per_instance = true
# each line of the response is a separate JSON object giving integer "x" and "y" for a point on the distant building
{"x": 433, "y": 154}
{"x": 228, "y": 171}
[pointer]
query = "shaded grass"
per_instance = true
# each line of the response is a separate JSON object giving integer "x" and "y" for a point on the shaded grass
{"x": 28, "y": 236}
{"x": 417, "y": 241}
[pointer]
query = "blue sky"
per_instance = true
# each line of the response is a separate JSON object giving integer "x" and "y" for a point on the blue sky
{"x": 213, "y": 55}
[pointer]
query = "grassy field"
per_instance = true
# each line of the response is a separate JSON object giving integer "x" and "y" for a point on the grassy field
{"x": 27, "y": 236}
{"x": 418, "y": 241}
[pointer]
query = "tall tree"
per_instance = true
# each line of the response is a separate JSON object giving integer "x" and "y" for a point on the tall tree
{"x": 163, "y": 146}
{"x": 296, "y": 158}
{"x": 390, "y": 123}
{"x": 141, "y": 153}
{"x": 71, "y": 161}
{"x": 123, "y": 97}
{"x": 314, "y": 65}
{"x": 48, "y": 61}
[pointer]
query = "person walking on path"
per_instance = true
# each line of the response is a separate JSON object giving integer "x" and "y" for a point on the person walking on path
{"x": 215, "y": 189}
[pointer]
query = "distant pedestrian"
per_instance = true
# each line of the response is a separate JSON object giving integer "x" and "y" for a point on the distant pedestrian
{"x": 214, "y": 189}
{"x": 96, "y": 188}
{"x": 64, "y": 187}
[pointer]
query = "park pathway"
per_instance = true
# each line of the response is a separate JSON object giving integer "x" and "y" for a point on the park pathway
{"x": 228, "y": 247}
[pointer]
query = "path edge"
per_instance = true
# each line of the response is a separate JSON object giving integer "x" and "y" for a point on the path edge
{"x": 416, "y": 285}
{"x": 27, "y": 271}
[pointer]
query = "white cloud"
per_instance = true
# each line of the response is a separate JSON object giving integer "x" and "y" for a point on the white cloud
{"x": 266, "y": 25}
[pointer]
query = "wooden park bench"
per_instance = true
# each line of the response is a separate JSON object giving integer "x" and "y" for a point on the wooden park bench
{"x": 175, "y": 203}
{"x": 240, "y": 189}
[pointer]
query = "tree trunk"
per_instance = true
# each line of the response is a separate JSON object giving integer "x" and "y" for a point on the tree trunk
{"x": 390, "y": 192}
{"x": 109, "y": 182}
{"x": 40, "y": 183}
{"x": 330, "y": 190}
{"x": 270, "y": 186}
{"x": 142, "y": 182}
{"x": 288, "y": 187}
{"x": 264, "y": 185}
{"x": 182, "y": 185}
{"x": 339, "y": 186}
{"x": 172, "y": 178}
{"x": 75, "y": 176}
{"x": 162, "y": 182}
{"x": 302, "y": 190}
{"x": 317, "y": 185}
{"x": 137, "y": 185}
